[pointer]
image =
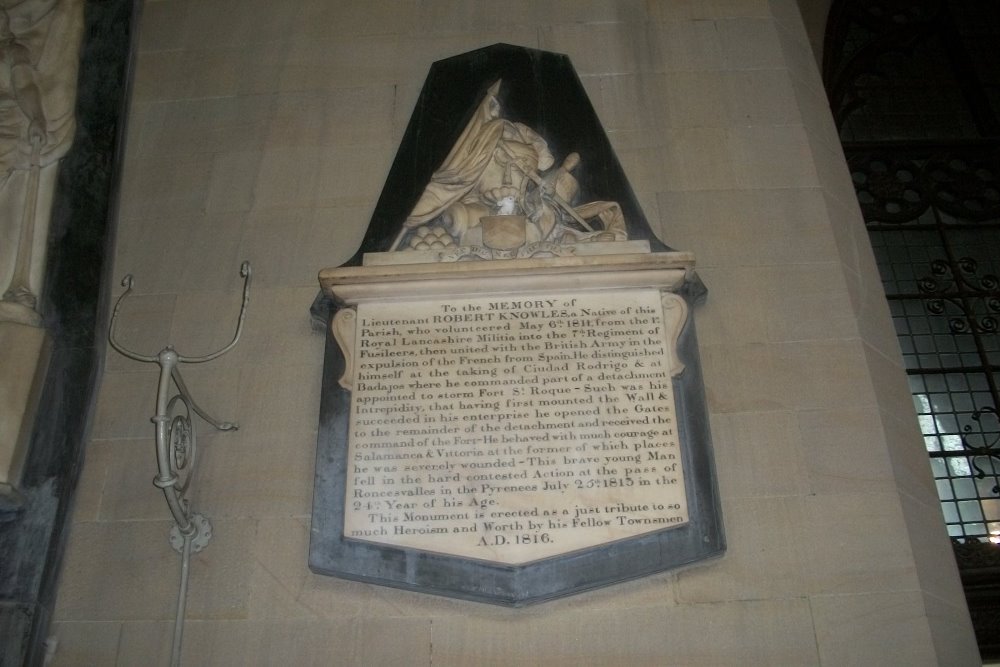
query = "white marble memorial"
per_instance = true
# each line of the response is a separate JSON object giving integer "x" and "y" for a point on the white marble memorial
{"x": 512, "y": 404}
{"x": 514, "y": 426}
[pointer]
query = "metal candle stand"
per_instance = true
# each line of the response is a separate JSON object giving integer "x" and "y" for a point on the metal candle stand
{"x": 176, "y": 444}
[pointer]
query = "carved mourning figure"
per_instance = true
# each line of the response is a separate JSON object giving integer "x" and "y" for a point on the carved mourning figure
{"x": 500, "y": 187}
{"x": 39, "y": 47}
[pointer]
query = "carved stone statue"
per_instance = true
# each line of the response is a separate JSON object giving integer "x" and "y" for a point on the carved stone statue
{"x": 39, "y": 50}
{"x": 497, "y": 188}
{"x": 39, "y": 58}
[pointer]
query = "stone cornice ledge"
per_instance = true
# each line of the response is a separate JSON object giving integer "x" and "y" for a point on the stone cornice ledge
{"x": 355, "y": 284}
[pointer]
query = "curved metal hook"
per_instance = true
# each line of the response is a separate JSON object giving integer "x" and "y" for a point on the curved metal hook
{"x": 127, "y": 284}
{"x": 246, "y": 273}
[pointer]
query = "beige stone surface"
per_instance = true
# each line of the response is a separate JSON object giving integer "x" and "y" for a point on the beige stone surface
{"x": 805, "y": 375}
{"x": 231, "y": 181}
{"x": 800, "y": 60}
{"x": 126, "y": 570}
{"x": 85, "y": 643}
{"x": 126, "y": 468}
{"x": 810, "y": 302}
{"x": 143, "y": 326}
{"x": 279, "y": 242}
{"x": 353, "y": 171}
{"x": 851, "y": 626}
{"x": 783, "y": 226}
{"x": 680, "y": 45}
{"x": 204, "y": 321}
{"x": 90, "y": 486}
{"x": 949, "y": 625}
{"x": 223, "y": 124}
{"x": 935, "y": 559}
{"x": 818, "y": 308}
{"x": 733, "y": 308}
{"x": 663, "y": 10}
{"x": 835, "y": 449}
{"x": 750, "y": 43}
{"x": 762, "y": 536}
{"x": 268, "y": 407}
{"x": 773, "y": 157}
{"x": 773, "y": 632}
{"x": 843, "y": 557}
{"x": 281, "y": 587}
{"x": 613, "y": 50}
{"x": 24, "y": 360}
{"x": 761, "y": 97}
{"x": 693, "y": 99}
{"x": 264, "y": 131}
{"x": 903, "y": 440}
{"x": 763, "y": 453}
{"x": 830, "y": 171}
{"x": 166, "y": 187}
{"x": 698, "y": 158}
{"x": 814, "y": 108}
{"x": 146, "y": 642}
{"x": 336, "y": 641}
{"x": 251, "y": 457}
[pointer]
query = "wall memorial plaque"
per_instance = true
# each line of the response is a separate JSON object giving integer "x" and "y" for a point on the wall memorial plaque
{"x": 512, "y": 406}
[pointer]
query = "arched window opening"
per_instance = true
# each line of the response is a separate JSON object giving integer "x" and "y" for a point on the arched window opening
{"x": 914, "y": 86}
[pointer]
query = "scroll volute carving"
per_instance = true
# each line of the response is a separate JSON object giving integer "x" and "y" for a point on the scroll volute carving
{"x": 344, "y": 329}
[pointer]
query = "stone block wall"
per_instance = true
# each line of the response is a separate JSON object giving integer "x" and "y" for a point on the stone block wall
{"x": 264, "y": 130}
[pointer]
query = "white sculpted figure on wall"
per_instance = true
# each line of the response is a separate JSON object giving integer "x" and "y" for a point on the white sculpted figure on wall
{"x": 39, "y": 51}
{"x": 497, "y": 188}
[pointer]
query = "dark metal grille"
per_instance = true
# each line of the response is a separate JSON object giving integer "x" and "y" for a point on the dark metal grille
{"x": 934, "y": 223}
{"x": 914, "y": 86}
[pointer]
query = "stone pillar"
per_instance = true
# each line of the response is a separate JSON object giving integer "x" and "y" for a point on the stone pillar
{"x": 39, "y": 45}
